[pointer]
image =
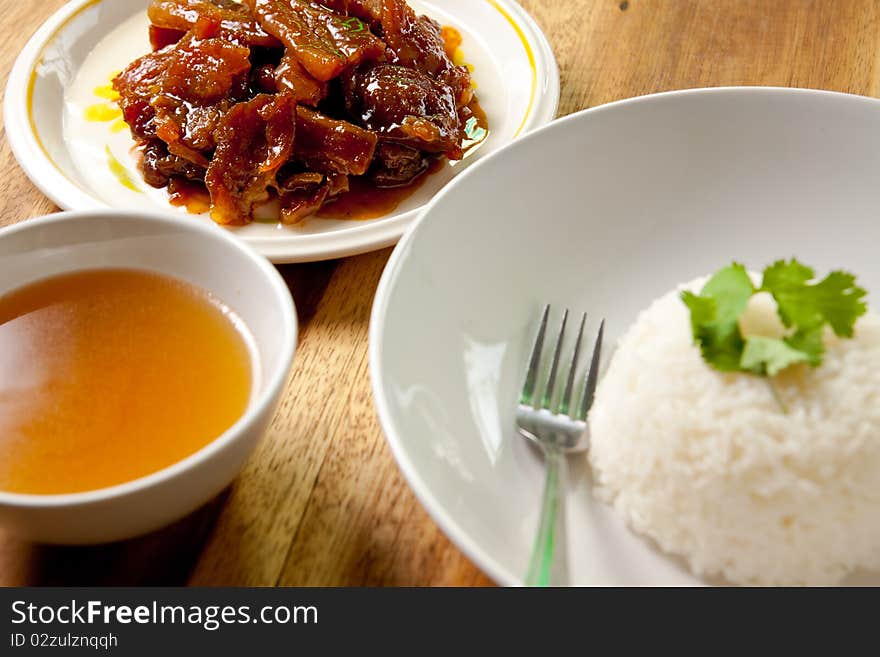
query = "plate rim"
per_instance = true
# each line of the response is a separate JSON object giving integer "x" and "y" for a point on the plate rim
{"x": 363, "y": 237}
{"x": 435, "y": 509}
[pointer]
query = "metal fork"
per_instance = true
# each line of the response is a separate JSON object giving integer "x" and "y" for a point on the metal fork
{"x": 558, "y": 429}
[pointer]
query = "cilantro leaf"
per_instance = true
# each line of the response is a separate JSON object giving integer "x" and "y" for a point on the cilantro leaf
{"x": 804, "y": 307}
{"x": 730, "y": 288}
{"x": 702, "y": 310}
{"x": 720, "y": 343}
{"x": 714, "y": 315}
{"x": 763, "y": 355}
{"x": 783, "y": 275}
{"x": 835, "y": 300}
{"x": 809, "y": 342}
{"x": 839, "y": 300}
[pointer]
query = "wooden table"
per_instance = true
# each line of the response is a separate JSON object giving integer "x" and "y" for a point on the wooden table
{"x": 322, "y": 501}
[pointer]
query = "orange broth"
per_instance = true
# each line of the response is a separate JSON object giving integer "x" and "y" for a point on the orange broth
{"x": 109, "y": 375}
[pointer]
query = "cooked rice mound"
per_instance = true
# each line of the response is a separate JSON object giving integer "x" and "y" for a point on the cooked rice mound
{"x": 708, "y": 465}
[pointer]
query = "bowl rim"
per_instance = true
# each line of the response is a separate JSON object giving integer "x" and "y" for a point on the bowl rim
{"x": 258, "y": 407}
{"x": 387, "y": 283}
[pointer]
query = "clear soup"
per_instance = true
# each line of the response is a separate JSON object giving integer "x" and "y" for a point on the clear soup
{"x": 110, "y": 375}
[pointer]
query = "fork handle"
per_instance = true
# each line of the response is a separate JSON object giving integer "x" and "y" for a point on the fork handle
{"x": 549, "y": 563}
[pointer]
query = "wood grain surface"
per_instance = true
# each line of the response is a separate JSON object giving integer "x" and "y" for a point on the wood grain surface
{"x": 322, "y": 501}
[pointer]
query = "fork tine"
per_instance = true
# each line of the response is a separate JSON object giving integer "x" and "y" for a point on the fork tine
{"x": 554, "y": 366}
{"x": 535, "y": 361}
{"x": 565, "y": 401}
{"x": 592, "y": 375}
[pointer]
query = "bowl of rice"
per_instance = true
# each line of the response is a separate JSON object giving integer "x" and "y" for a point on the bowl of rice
{"x": 703, "y": 468}
{"x": 750, "y": 483}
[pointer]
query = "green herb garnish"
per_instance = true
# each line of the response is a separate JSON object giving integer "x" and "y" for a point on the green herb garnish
{"x": 804, "y": 307}
{"x": 354, "y": 24}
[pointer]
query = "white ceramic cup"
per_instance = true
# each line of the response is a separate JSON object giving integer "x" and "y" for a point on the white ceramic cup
{"x": 206, "y": 256}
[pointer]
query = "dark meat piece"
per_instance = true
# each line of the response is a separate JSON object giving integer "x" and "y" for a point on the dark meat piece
{"x": 189, "y": 194}
{"x": 136, "y": 86}
{"x": 234, "y": 21}
{"x": 292, "y": 178}
{"x": 308, "y": 197}
{"x": 368, "y": 10}
{"x": 264, "y": 61}
{"x": 291, "y": 76}
{"x": 254, "y": 140}
{"x": 332, "y": 146}
{"x": 263, "y": 79}
{"x": 338, "y": 183}
{"x": 200, "y": 83}
{"x": 189, "y": 130}
{"x": 417, "y": 42}
{"x": 325, "y": 43}
{"x": 205, "y": 71}
{"x": 404, "y": 105}
{"x": 161, "y": 37}
{"x": 159, "y": 166}
{"x": 458, "y": 78}
{"x": 291, "y": 181}
{"x": 397, "y": 165}
{"x": 180, "y": 92}
{"x": 296, "y": 206}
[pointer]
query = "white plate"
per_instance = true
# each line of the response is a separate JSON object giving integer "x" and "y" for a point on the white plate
{"x": 632, "y": 198}
{"x": 79, "y": 49}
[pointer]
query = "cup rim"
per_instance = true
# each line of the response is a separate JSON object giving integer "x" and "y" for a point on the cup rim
{"x": 276, "y": 373}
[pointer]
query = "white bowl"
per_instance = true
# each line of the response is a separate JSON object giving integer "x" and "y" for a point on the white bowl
{"x": 188, "y": 250}
{"x": 602, "y": 212}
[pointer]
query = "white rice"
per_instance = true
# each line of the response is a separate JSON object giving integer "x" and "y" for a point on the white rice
{"x": 707, "y": 465}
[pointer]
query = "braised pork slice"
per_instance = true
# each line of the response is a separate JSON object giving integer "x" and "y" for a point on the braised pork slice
{"x": 331, "y": 145}
{"x": 159, "y": 166}
{"x": 417, "y": 42}
{"x": 202, "y": 81}
{"x": 180, "y": 93}
{"x": 161, "y": 37}
{"x": 136, "y": 86}
{"x": 234, "y": 21}
{"x": 292, "y": 77}
{"x": 303, "y": 193}
{"x": 406, "y": 106}
{"x": 397, "y": 165}
{"x": 254, "y": 139}
{"x": 324, "y": 42}
{"x": 299, "y": 204}
{"x": 368, "y": 10}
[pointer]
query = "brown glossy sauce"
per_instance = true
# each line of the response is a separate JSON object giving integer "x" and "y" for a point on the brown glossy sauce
{"x": 110, "y": 375}
{"x": 191, "y": 195}
{"x": 364, "y": 200}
